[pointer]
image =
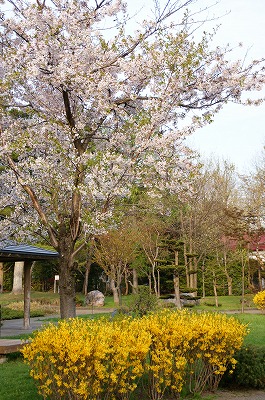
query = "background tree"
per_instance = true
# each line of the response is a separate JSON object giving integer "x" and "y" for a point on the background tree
{"x": 150, "y": 230}
{"x": 203, "y": 218}
{"x": 89, "y": 114}
{"x": 114, "y": 252}
{"x": 252, "y": 189}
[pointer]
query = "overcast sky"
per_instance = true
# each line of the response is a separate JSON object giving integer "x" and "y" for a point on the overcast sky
{"x": 238, "y": 132}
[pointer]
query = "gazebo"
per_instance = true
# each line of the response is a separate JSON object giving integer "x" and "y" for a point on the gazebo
{"x": 28, "y": 254}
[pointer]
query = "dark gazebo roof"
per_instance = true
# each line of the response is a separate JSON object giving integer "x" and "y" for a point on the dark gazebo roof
{"x": 22, "y": 252}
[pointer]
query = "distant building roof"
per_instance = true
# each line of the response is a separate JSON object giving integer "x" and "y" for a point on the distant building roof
{"x": 24, "y": 252}
{"x": 250, "y": 242}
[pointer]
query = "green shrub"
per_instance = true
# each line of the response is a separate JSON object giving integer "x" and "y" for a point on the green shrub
{"x": 249, "y": 371}
{"x": 144, "y": 302}
{"x": 8, "y": 313}
{"x": 212, "y": 304}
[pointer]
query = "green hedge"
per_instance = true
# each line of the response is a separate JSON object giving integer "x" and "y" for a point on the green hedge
{"x": 250, "y": 369}
{"x": 7, "y": 313}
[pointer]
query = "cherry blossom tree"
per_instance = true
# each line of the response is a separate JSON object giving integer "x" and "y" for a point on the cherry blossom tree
{"x": 90, "y": 108}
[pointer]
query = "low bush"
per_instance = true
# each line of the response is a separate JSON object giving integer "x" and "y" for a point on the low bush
{"x": 7, "y": 313}
{"x": 211, "y": 304}
{"x": 249, "y": 371}
{"x": 16, "y": 310}
{"x": 144, "y": 302}
{"x": 88, "y": 359}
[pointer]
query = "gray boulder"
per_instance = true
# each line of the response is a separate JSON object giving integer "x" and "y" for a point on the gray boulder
{"x": 95, "y": 298}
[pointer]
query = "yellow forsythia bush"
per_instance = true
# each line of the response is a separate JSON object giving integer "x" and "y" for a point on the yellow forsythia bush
{"x": 190, "y": 348}
{"x": 213, "y": 342}
{"x": 88, "y": 359}
{"x": 259, "y": 300}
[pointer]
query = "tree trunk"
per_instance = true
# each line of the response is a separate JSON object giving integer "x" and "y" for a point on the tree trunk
{"x": 228, "y": 277}
{"x": 158, "y": 283}
{"x": 88, "y": 268}
{"x": 186, "y": 265}
{"x": 195, "y": 274}
{"x": 259, "y": 279}
{"x": 126, "y": 281}
{"x": 243, "y": 285}
{"x": 1, "y": 277}
{"x": 66, "y": 277}
{"x": 135, "y": 281}
{"x": 176, "y": 282}
{"x": 67, "y": 291}
{"x": 203, "y": 280}
{"x": 177, "y": 290}
{"x": 154, "y": 278}
{"x": 229, "y": 285}
{"x": 114, "y": 291}
{"x": 88, "y": 265}
{"x": 215, "y": 290}
{"x": 18, "y": 277}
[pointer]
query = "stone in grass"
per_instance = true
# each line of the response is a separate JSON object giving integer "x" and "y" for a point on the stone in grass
{"x": 95, "y": 298}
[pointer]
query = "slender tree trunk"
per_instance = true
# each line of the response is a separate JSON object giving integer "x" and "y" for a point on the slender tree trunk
{"x": 186, "y": 265}
{"x": 243, "y": 285}
{"x": 18, "y": 277}
{"x": 135, "y": 281}
{"x": 259, "y": 279}
{"x": 229, "y": 285}
{"x": 88, "y": 265}
{"x": 215, "y": 289}
{"x": 154, "y": 278}
{"x": 177, "y": 290}
{"x": 87, "y": 273}
{"x": 1, "y": 277}
{"x": 114, "y": 291}
{"x": 126, "y": 281}
{"x": 203, "y": 280}
{"x": 176, "y": 282}
{"x": 195, "y": 274}
{"x": 158, "y": 283}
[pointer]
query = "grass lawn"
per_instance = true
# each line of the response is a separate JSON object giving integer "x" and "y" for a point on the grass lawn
{"x": 225, "y": 303}
{"x": 256, "y": 325}
{"x": 15, "y": 382}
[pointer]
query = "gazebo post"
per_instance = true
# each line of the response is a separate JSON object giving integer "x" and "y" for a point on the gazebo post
{"x": 27, "y": 287}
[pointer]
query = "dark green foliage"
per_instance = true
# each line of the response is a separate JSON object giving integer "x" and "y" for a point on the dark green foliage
{"x": 212, "y": 304}
{"x": 186, "y": 289}
{"x": 8, "y": 276}
{"x": 17, "y": 113}
{"x": 167, "y": 296}
{"x": 43, "y": 275}
{"x": 144, "y": 302}
{"x": 250, "y": 369}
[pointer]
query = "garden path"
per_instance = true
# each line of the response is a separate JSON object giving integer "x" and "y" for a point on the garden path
{"x": 239, "y": 395}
